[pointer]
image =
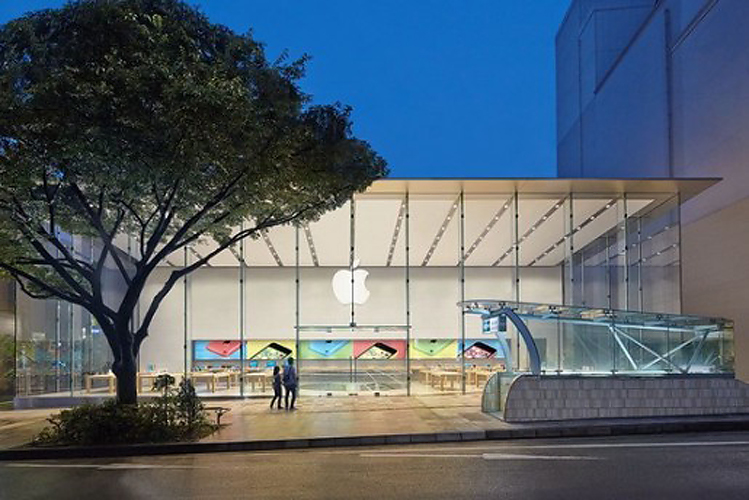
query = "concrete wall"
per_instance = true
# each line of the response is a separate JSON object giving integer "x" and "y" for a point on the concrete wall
{"x": 569, "y": 397}
{"x": 673, "y": 103}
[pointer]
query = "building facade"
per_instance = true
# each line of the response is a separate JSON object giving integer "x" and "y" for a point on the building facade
{"x": 366, "y": 299}
{"x": 658, "y": 89}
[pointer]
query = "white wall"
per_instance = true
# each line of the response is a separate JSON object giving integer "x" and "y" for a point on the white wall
{"x": 162, "y": 349}
{"x": 270, "y": 303}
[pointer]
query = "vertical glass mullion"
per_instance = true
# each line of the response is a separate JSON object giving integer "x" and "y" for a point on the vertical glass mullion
{"x": 408, "y": 295}
{"x": 625, "y": 226}
{"x": 297, "y": 300}
{"x": 242, "y": 322}
{"x": 352, "y": 257}
{"x": 678, "y": 252}
{"x": 462, "y": 294}
{"x": 16, "y": 366}
{"x": 71, "y": 332}
{"x": 185, "y": 317}
{"x": 516, "y": 270}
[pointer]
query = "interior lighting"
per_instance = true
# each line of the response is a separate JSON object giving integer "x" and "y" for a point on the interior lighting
{"x": 311, "y": 245}
{"x": 271, "y": 248}
{"x": 590, "y": 219}
{"x": 485, "y": 232}
{"x": 396, "y": 232}
{"x": 535, "y": 226}
{"x": 441, "y": 232}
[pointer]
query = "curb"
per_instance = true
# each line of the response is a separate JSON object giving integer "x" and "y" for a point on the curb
{"x": 586, "y": 429}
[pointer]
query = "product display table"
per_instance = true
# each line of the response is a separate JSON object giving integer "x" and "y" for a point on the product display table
{"x": 211, "y": 379}
{"x": 89, "y": 379}
{"x": 478, "y": 375}
{"x": 442, "y": 376}
{"x": 253, "y": 377}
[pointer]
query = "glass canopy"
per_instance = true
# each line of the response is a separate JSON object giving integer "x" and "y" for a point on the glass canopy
{"x": 584, "y": 339}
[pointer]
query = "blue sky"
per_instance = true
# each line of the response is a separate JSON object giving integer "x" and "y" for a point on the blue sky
{"x": 440, "y": 88}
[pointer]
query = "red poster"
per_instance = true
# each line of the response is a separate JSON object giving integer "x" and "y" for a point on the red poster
{"x": 379, "y": 349}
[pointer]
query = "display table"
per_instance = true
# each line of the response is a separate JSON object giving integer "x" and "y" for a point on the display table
{"x": 442, "y": 376}
{"x": 211, "y": 379}
{"x": 253, "y": 377}
{"x": 111, "y": 379}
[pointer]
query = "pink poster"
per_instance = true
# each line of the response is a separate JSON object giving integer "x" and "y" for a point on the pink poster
{"x": 379, "y": 349}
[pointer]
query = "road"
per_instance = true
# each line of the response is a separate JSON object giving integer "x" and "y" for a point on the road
{"x": 683, "y": 467}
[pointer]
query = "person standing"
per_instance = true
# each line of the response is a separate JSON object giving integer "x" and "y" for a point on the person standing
{"x": 276, "y": 387}
{"x": 290, "y": 383}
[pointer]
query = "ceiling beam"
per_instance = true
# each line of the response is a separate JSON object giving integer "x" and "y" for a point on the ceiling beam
{"x": 271, "y": 248}
{"x": 198, "y": 255}
{"x": 396, "y": 232}
{"x": 576, "y": 229}
{"x": 311, "y": 245}
{"x": 530, "y": 231}
{"x": 485, "y": 232}
{"x": 441, "y": 231}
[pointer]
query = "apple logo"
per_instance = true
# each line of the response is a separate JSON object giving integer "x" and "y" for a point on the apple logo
{"x": 342, "y": 285}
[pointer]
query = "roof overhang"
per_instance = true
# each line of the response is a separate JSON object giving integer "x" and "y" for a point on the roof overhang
{"x": 686, "y": 187}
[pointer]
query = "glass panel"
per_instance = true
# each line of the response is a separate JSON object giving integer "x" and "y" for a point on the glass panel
{"x": 435, "y": 290}
{"x": 602, "y": 340}
{"x": 489, "y": 223}
{"x": 329, "y": 284}
{"x": 654, "y": 254}
{"x": 542, "y": 226}
{"x": 7, "y": 340}
{"x": 379, "y": 357}
{"x": 216, "y": 342}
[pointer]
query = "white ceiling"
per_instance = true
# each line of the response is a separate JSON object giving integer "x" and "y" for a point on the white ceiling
{"x": 542, "y": 220}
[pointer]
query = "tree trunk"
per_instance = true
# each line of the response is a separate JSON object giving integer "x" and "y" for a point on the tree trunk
{"x": 127, "y": 392}
{"x": 126, "y": 369}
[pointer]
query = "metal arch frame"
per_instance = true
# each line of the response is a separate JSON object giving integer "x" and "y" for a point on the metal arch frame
{"x": 525, "y": 333}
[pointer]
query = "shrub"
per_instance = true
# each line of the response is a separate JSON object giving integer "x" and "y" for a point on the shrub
{"x": 177, "y": 415}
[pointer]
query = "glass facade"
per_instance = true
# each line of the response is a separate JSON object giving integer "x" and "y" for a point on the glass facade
{"x": 366, "y": 298}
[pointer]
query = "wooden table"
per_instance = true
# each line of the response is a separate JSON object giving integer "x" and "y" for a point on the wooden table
{"x": 109, "y": 377}
{"x": 261, "y": 377}
{"x": 477, "y": 376}
{"x": 443, "y": 376}
{"x": 211, "y": 379}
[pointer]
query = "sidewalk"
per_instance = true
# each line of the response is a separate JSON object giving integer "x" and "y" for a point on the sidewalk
{"x": 354, "y": 421}
{"x": 356, "y": 416}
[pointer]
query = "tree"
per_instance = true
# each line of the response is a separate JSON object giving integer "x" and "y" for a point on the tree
{"x": 142, "y": 118}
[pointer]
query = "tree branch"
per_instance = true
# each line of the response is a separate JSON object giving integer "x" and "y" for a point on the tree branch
{"x": 106, "y": 236}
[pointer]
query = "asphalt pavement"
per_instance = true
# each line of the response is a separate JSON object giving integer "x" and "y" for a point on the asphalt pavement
{"x": 662, "y": 467}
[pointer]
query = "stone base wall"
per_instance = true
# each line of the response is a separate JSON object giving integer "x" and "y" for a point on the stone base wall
{"x": 561, "y": 397}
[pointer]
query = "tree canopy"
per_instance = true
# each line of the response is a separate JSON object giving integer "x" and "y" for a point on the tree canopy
{"x": 143, "y": 118}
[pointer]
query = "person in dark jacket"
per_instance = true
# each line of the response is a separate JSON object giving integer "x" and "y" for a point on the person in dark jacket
{"x": 276, "y": 387}
{"x": 290, "y": 382}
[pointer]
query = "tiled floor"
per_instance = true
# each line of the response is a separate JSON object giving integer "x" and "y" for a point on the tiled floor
{"x": 316, "y": 416}
{"x": 355, "y": 416}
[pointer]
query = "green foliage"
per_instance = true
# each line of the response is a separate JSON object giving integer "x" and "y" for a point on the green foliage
{"x": 7, "y": 365}
{"x": 177, "y": 415}
{"x": 142, "y": 119}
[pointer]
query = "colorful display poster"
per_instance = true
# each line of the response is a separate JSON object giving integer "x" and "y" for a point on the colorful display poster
{"x": 326, "y": 349}
{"x": 379, "y": 349}
{"x": 481, "y": 349}
{"x": 433, "y": 348}
{"x": 216, "y": 350}
{"x": 265, "y": 350}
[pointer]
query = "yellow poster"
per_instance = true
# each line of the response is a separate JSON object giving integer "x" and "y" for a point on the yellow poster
{"x": 434, "y": 348}
{"x": 267, "y": 350}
